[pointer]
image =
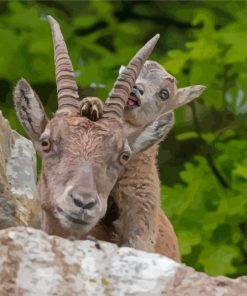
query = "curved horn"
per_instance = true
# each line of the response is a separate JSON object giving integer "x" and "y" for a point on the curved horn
{"x": 67, "y": 90}
{"x": 120, "y": 92}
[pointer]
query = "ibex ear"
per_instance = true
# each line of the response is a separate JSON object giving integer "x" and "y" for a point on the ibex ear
{"x": 29, "y": 110}
{"x": 152, "y": 133}
{"x": 186, "y": 95}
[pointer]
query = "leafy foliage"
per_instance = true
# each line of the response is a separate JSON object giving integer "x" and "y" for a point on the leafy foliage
{"x": 203, "y": 163}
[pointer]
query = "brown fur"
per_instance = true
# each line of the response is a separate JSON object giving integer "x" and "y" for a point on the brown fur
{"x": 137, "y": 195}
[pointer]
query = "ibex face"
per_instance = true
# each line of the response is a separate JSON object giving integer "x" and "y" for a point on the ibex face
{"x": 81, "y": 163}
{"x": 155, "y": 92}
{"x": 82, "y": 159}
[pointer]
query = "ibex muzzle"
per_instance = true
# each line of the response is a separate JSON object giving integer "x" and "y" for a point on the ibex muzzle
{"x": 81, "y": 159}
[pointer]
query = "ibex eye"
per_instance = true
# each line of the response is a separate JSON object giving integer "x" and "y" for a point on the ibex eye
{"x": 46, "y": 145}
{"x": 124, "y": 157}
{"x": 164, "y": 94}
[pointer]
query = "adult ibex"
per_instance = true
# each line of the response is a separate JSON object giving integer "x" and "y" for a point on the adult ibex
{"x": 81, "y": 159}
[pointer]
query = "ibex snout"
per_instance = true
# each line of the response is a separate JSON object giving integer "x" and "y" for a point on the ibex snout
{"x": 79, "y": 207}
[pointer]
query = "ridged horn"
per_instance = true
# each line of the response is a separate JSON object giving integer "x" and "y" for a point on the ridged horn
{"x": 121, "y": 90}
{"x": 67, "y": 90}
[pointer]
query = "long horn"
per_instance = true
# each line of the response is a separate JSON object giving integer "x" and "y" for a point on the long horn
{"x": 120, "y": 92}
{"x": 67, "y": 90}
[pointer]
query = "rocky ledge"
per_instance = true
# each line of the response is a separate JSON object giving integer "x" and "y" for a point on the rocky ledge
{"x": 34, "y": 263}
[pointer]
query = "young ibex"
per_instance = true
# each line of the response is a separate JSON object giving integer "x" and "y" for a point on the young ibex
{"x": 81, "y": 159}
{"x": 141, "y": 223}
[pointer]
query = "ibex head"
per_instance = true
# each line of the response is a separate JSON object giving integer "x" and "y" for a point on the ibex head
{"x": 156, "y": 92}
{"x": 82, "y": 159}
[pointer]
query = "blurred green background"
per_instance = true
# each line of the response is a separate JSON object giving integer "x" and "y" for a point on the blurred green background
{"x": 203, "y": 162}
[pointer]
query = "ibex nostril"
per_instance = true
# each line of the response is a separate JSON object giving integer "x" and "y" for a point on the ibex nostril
{"x": 90, "y": 205}
{"x": 78, "y": 203}
{"x": 141, "y": 92}
{"x": 84, "y": 205}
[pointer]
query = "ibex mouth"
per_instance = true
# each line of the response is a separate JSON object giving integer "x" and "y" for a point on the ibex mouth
{"x": 134, "y": 100}
{"x": 71, "y": 218}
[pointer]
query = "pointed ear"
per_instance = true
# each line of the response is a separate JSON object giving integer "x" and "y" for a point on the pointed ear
{"x": 30, "y": 110}
{"x": 152, "y": 133}
{"x": 187, "y": 94}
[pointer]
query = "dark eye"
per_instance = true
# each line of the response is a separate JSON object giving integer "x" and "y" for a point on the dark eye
{"x": 124, "y": 157}
{"x": 164, "y": 94}
{"x": 46, "y": 145}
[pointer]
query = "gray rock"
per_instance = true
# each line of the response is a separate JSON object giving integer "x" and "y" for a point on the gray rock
{"x": 34, "y": 263}
{"x": 21, "y": 167}
{"x": 18, "y": 194}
